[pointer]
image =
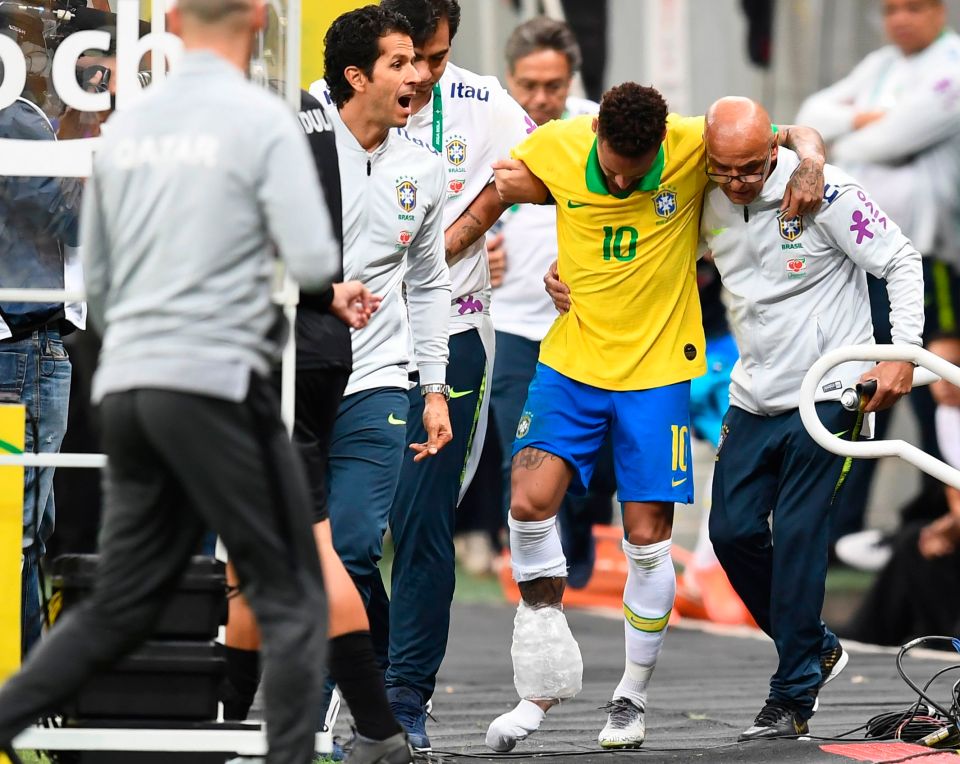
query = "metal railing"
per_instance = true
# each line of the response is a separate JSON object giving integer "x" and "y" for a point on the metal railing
{"x": 288, "y": 297}
{"x": 926, "y": 361}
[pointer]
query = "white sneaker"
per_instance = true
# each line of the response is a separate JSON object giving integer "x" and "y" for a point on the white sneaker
{"x": 868, "y": 550}
{"x": 625, "y": 727}
{"x": 510, "y": 728}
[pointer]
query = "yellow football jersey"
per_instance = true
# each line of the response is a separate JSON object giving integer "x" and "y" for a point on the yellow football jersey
{"x": 629, "y": 260}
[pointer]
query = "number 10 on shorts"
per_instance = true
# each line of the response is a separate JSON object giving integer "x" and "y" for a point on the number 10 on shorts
{"x": 680, "y": 435}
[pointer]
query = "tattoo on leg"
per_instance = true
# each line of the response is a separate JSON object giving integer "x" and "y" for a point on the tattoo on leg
{"x": 532, "y": 458}
{"x": 543, "y": 592}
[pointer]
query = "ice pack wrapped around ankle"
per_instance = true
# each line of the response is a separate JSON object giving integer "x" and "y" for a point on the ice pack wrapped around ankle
{"x": 546, "y": 657}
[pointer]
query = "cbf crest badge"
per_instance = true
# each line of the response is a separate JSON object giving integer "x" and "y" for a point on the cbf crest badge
{"x": 791, "y": 228}
{"x": 407, "y": 195}
{"x": 456, "y": 151}
{"x": 665, "y": 203}
{"x": 523, "y": 426}
{"x": 724, "y": 431}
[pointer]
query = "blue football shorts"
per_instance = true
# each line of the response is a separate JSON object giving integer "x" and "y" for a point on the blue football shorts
{"x": 650, "y": 432}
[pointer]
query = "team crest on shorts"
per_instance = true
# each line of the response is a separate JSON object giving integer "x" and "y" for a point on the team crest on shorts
{"x": 665, "y": 203}
{"x": 791, "y": 228}
{"x": 407, "y": 195}
{"x": 724, "y": 431}
{"x": 523, "y": 426}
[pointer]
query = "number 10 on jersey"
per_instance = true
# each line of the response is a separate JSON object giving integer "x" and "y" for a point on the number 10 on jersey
{"x": 614, "y": 245}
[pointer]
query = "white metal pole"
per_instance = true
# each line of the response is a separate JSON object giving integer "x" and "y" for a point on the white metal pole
{"x": 288, "y": 368}
{"x": 879, "y": 448}
{"x": 85, "y": 461}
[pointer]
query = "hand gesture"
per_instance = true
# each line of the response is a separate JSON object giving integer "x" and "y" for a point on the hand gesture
{"x": 436, "y": 421}
{"x": 353, "y": 304}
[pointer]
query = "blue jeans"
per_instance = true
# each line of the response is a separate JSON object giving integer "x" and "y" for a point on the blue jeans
{"x": 35, "y": 371}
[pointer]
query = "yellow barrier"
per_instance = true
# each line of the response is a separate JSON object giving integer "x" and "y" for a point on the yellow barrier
{"x": 12, "y": 419}
{"x": 317, "y": 16}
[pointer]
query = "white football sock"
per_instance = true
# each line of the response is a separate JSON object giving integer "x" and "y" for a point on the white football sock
{"x": 647, "y": 604}
{"x": 509, "y": 728}
{"x": 535, "y": 549}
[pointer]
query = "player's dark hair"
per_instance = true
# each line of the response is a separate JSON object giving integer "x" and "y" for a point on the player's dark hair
{"x": 354, "y": 40}
{"x": 632, "y": 119}
{"x": 543, "y": 33}
{"x": 425, "y": 16}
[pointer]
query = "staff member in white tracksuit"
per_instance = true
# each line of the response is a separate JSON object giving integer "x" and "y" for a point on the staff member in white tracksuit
{"x": 393, "y": 190}
{"x": 797, "y": 290}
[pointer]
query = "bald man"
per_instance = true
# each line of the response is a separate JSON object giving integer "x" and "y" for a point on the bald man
{"x": 797, "y": 290}
{"x": 180, "y": 218}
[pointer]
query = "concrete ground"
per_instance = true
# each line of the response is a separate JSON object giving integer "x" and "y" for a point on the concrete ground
{"x": 707, "y": 688}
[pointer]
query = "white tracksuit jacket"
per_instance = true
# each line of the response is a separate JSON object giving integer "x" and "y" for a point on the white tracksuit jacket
{"x": 481, "y": 123}
{"x": 798, "y": 288}
{"x": 393, "y": 199}
{"x": 909, "y": 160}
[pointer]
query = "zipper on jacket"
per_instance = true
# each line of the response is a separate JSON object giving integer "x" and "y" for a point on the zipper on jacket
{"x": 369, "y": 168}
{"x": 746, "y": 213}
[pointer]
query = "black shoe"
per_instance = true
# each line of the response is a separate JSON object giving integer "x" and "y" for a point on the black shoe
{"x": 394, "y": 750}
{"x": 775, "y": 719}
{"x": 832, "y": 662}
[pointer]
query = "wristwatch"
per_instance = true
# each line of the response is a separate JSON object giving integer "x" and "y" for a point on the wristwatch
{"x": 444, "y": 390}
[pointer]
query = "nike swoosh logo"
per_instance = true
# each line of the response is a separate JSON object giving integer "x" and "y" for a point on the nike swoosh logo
{"x": 841, "y": 434}
{"x": 393, "y": 420}
{"x": 576, "y": 205}
{"x": 458, "y": 394}
{"x": 717, "y": 231}
{"x": 675, "y": 483}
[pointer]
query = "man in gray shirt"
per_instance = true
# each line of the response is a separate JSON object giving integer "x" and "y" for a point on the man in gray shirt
{"x": 189, "y": 191}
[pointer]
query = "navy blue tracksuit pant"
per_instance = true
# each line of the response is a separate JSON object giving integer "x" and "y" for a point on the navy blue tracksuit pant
{"x": 769, "y": 465}
{"x": 422, "y": 520}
